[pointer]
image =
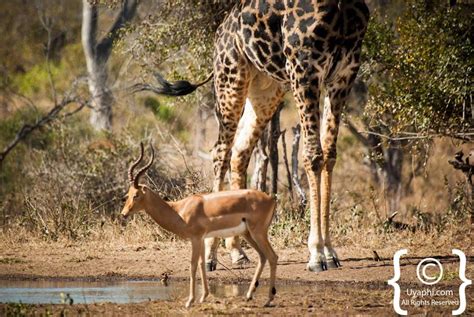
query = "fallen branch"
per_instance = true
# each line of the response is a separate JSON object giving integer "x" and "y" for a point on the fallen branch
{"x": 406, "y": 136}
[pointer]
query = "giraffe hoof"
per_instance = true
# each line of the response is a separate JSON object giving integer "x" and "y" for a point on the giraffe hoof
{"x": 333, "y": 263}
{"x": 241, "y": 262}
{"x": 211, "y": 266}
{"x": 317, "y": 267}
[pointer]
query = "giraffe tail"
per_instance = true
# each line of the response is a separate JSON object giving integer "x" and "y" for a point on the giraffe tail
{"x": 177, "y": 88}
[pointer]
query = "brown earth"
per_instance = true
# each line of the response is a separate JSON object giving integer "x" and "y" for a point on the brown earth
{"x": 359, "y": 287}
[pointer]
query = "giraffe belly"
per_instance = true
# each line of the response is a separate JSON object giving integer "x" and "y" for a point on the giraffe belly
{"x": 228, "y": 232}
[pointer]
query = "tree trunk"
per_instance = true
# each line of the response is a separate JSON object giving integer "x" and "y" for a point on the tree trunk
{"x": 102, "y": 98}
{"x": 294, "y": 168}
{"x": 393, "y": 175}
{"x": 97, "y": 54}
{"x": 259, "y": 178}
{"x": 287, "y": 166}
{"x": 273, "y": 148}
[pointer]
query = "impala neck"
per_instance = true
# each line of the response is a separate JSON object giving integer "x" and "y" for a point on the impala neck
{"x": 165, "y": 215}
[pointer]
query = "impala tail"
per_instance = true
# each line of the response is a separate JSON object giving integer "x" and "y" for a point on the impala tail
{"x": 166, "y": 88}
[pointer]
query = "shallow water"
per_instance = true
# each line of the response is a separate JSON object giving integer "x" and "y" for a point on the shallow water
{"x": 55, "y": 292}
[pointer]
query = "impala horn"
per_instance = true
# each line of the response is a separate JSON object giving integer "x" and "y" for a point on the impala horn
{"x": 146, "y": 167}
{"x": 132, "y": 167}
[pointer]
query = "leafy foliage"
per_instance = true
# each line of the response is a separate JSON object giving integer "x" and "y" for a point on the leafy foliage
{"x": 420, "y": 69}
{"x": 179, "y": 33}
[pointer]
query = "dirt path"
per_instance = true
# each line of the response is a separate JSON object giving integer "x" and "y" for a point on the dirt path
{"x": 358, "y": 287}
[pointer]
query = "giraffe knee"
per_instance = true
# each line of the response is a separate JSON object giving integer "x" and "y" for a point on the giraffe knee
{"x": 314, "y": 162}
{"x": 330, "y": 160}
{"x": 240, "y": 160}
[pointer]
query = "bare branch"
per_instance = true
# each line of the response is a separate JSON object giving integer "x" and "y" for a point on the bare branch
{"x": 27, "y": 129}
{"x": 357, "y": 134}
{"x": 465, "y": 136}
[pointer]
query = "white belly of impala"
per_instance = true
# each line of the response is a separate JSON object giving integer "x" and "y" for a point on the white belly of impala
{"x": 228, "y": 232}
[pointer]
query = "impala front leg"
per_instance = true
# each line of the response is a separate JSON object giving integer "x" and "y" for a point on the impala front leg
{"x": 196, "y": 245}
{"x": 202, "y": 266}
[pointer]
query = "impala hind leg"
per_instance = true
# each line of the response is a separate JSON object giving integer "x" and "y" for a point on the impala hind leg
{"x": 263, "y": 243}
{"x": 261, "y": 263}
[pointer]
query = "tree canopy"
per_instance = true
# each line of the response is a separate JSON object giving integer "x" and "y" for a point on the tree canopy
{"x": 419, "y": 66}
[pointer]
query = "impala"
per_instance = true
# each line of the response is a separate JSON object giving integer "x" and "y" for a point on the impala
{"x": 224, "y": 214}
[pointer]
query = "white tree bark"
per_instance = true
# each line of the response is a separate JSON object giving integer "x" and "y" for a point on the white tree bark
{"x": 97, "y": 54}
{"x": 259, "y": 178}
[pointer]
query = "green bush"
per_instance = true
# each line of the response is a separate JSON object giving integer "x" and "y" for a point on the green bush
{"x": 36, "y": 79}
{"x": 419, "y": 68}
{"x": 163, "y": 112}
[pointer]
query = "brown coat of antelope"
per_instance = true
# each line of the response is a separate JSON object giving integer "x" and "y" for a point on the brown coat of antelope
{"x": 223, "y": 214}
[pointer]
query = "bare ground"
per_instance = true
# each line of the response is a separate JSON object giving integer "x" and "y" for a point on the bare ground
{"x": 359, "y": 287}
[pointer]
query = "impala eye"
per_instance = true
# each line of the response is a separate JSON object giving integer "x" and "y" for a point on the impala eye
{"x": 124, "y": 198}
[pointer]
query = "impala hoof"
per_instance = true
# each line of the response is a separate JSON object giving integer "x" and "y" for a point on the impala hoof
{"x": 211, "y": 266}
{"x": 317, "y": 267}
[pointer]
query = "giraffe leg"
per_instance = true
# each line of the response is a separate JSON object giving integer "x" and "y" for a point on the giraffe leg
{"x": 263, "y": 98}
{"x": 329, "y": 131}
{"x": 231, "y": 78}
{"x": 337, "y": 91}
{"x": 306, "y": 89}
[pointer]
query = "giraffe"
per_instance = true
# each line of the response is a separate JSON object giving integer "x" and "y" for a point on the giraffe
{"x": 263, "y": 49}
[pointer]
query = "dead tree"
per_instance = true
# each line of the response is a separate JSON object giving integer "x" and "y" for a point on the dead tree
{"x": 259, "y": 177}
{"x": 97, "y": 53}
{"x": 273, "y": 137}
{"x": 285, "y": 160}
{"x": 386, "y": 155}
{"x": 294, "y": 168}
{"x": 466, "y": 165}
